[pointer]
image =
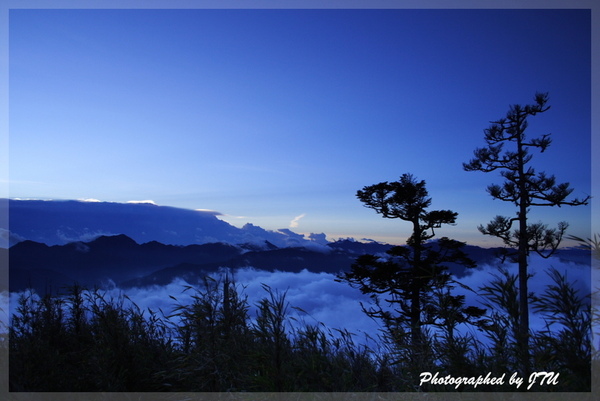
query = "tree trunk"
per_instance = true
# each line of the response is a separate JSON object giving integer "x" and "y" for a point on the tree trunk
{"x": 523, "y": 301}
{"x": 523, "y": 328}
{"x": 415, "y": 311}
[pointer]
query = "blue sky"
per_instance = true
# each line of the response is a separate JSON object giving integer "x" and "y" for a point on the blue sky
{"x": 278, "y": 117}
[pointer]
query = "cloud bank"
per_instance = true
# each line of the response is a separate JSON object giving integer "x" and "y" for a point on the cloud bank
{"x": 334, "y": 304}
{"x": 60, "y": 222}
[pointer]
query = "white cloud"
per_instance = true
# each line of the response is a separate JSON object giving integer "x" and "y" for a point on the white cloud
{"x": 294, "y": 223}
{"x": 142, "y": 201}
{"x": 88, "y": 200}
{"x": 4, "y": 311}
{"x": 6, "y": 238}
{"x": 318, "y": 238}
{"x": 336, "y": 305}
{"x": 67, "y": 236}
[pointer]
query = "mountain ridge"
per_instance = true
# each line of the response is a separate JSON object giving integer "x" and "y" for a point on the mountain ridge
{"x": 125, "y": 262}
{"x": 122, "y": 261}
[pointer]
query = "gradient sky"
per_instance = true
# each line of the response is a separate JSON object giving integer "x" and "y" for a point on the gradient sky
{"x": 278, "y": 117}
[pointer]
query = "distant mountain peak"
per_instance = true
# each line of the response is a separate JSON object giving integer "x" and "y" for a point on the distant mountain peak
{"x": 119, "y": 240}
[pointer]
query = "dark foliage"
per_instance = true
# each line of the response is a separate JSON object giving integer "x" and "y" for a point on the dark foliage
{"x": 86, "y": 342}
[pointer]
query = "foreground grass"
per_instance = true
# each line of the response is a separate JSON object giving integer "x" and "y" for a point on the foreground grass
{"x": 83, "y": 341}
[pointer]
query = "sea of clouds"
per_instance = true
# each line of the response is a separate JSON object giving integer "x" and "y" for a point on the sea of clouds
{"x": 316, "y": 298}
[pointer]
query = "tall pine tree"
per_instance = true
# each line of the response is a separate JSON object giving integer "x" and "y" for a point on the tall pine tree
{"x": 508, "y": 150}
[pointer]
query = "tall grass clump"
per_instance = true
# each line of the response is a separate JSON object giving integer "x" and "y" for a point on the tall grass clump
{"x": 563, "y": 346}
{"x": 90, "y": 341}
{"x": 84, "y": 342}
{"x": 212, "y": 339}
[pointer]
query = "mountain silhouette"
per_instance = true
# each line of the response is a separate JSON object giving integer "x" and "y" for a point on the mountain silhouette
{"x": 119, "y": 260}
{"x": 105, "y": 259}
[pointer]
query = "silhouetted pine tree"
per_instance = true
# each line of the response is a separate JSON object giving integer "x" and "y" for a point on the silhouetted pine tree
{"x": 402, "y": 285}
{"x": 525, "y": 188}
